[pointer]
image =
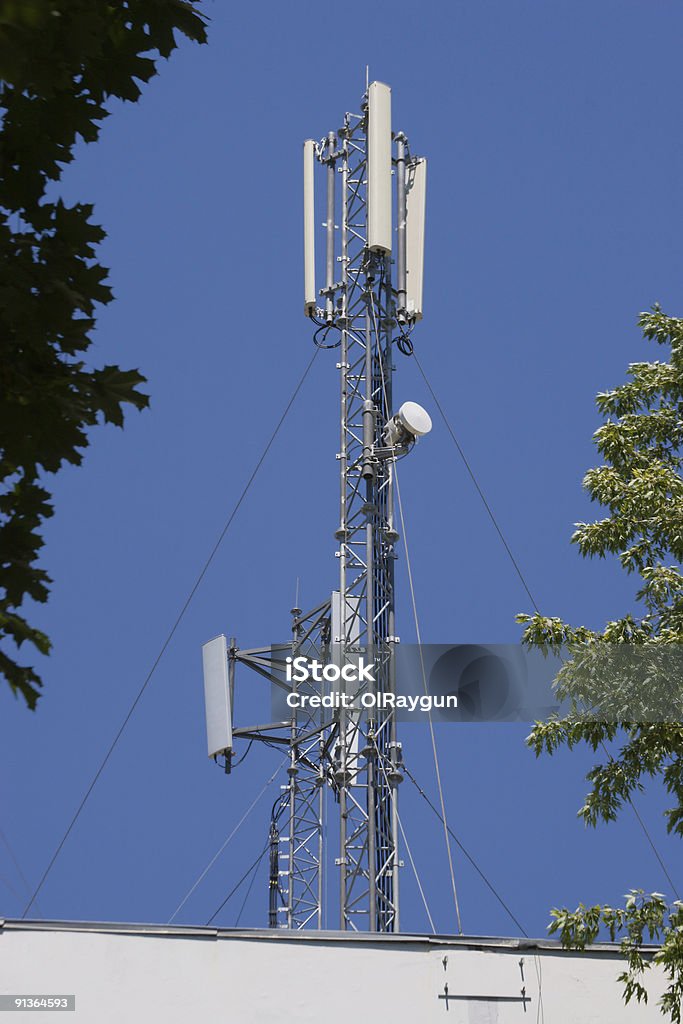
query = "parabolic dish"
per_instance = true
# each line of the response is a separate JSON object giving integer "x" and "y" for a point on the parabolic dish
{"x": 414, "y": 418}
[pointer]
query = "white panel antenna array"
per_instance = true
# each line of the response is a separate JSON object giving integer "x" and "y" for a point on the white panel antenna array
{"x": 310, "y": 297}
{"x": 416, "y": 188}
{"x": 408, "y": 247}
{"x": 217, "y": 696}
{"x": 379, "y": 167}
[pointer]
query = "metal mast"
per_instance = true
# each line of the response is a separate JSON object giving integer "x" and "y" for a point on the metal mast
{"x": 364, "y": 313}
{"x": 366, "y": 754}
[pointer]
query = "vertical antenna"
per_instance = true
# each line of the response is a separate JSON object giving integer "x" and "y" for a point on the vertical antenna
{"x": 310, "y": 294}
{"x": 401, "y": 290}
{"x": 416, "y": 187}
{"x": 379, "y": 214}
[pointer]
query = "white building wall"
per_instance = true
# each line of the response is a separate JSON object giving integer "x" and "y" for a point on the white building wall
{"x": 141, "y": 975}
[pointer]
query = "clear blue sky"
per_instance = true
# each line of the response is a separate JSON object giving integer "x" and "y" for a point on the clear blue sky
{"x": 554, "y": 213}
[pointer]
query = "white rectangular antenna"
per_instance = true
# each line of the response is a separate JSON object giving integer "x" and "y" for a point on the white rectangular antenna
{"x": 310, "y": 296}
{"x": 415, "y": 235}
{"x": 217, "y": 696}
{"x": 351, "y": 616}
{"x": 379, "y": 167}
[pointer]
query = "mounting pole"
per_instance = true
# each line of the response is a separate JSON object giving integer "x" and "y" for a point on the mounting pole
{"x": 329, "y": 263}
{"x": 366, "y": 753}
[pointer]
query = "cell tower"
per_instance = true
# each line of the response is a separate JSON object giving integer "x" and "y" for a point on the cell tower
{"x": 361, "y": 313}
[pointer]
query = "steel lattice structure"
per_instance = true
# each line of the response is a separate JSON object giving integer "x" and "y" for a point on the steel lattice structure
{"x": 353, "y": 754}
{"x": 366, "y": 754}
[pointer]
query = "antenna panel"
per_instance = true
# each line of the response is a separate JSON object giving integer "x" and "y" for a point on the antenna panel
{"x": 379, "y": 167}
{"x": 353, "y": 613}
{"x": 415, "y": 235}
{"x": 310, "y": 297}
{"x": 217, "y": 696}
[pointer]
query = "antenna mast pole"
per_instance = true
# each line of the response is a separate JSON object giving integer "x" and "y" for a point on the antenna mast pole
{"x": 365, "y": 308}
{"x": 351, "y": 750}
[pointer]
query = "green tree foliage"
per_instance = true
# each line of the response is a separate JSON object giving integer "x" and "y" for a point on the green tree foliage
{"x": 643, "y": 919}
{"x": 640, "y": 486}
{"x": 61, "y": 61}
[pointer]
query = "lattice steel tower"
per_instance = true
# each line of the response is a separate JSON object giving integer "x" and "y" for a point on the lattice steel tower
{"x": 371, "y": 300}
